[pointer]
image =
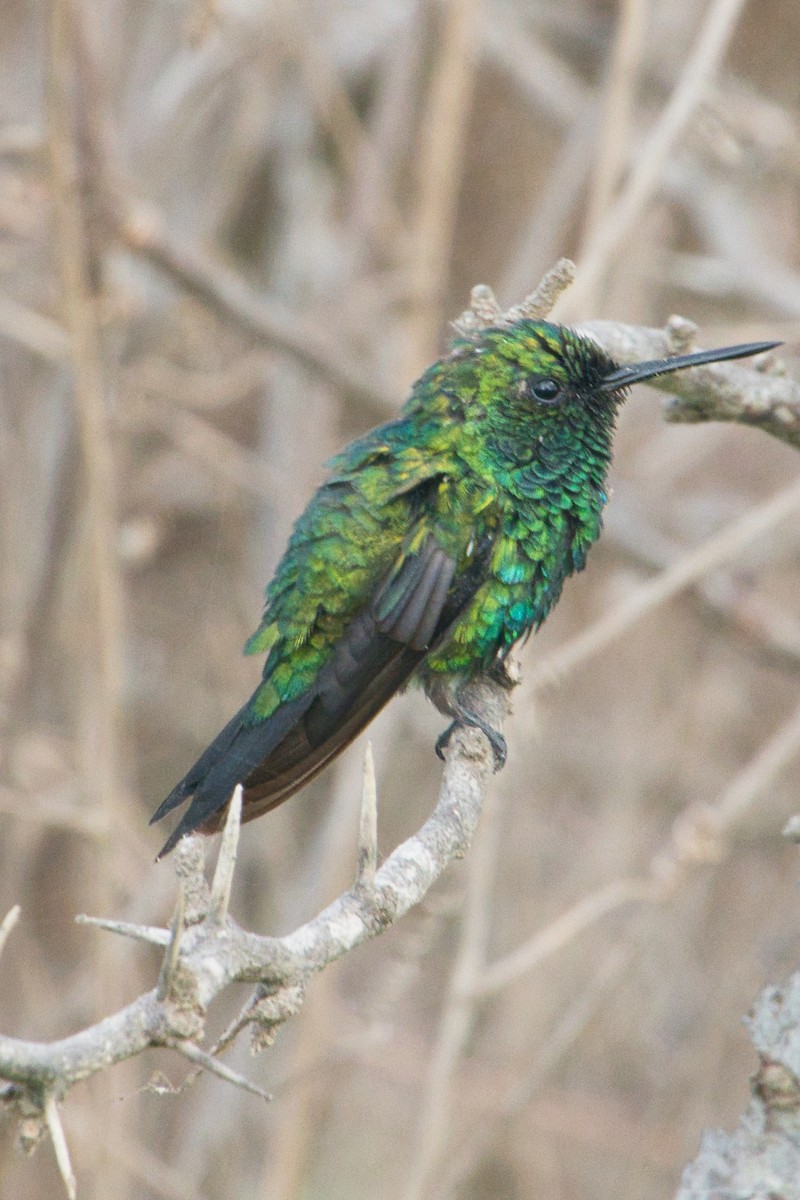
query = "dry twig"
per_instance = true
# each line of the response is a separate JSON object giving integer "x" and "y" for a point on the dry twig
{"x": 141, "y": 230}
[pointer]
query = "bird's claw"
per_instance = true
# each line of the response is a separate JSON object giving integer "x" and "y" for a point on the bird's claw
{"x": 498, "y": 744}
{"x": 443, "y": 739}
{"x": 496, "y": 740}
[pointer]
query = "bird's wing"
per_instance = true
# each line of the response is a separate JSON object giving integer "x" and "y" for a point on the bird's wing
{"x": 374, "y": 615}
{"x": 379, "y": 650}
{"x": 375, "y": 657}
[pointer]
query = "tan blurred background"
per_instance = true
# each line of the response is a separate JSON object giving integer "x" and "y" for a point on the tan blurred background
{"x": 361, "y": 165}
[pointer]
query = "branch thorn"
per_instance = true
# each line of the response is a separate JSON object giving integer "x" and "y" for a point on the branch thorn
{"x": 539, "y": 303}
{"x": 53, "y": 1120}
{"x": 167, "y": 972}
{"x": 226, "y": 863}
{"x": 153, "y": 935}
{"x": 8, "y": 923}
{"x": 368, "y": 823}
{"x": 201, "y": 1059}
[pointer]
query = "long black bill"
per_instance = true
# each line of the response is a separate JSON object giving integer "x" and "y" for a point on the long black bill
{"x": 623, "y": 377}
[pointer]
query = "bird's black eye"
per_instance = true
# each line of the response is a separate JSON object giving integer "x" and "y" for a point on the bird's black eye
{"x": 546, "y": 391}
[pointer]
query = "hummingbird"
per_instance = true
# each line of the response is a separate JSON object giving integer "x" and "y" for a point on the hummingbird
{"x": 437, "y": 542}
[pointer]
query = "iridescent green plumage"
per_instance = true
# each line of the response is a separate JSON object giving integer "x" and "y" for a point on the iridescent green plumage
{"x": 437, "y": 542}
{"x": 463, "y": 468}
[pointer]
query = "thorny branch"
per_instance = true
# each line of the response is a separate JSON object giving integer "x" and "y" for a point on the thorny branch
{"x": 205, "y": 951}
{"x": 214, "y": 952}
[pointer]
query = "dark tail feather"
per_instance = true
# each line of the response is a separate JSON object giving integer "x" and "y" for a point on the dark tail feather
{"x": 233, "y": 755}
{"x": 365, "y": 670}
{"x": 205, "y": 763}
{"x": 272, "y": 759}
{"x": 331, "y": 723}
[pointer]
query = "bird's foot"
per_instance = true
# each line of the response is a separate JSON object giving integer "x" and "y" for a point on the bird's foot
{"x": 465, "y": 717}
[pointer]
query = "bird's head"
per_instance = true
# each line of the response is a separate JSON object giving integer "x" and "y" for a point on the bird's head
{"x": 534, "y": 381}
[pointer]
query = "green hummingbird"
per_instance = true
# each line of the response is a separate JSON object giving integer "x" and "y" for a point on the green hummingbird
{"x": 437, "y": 542}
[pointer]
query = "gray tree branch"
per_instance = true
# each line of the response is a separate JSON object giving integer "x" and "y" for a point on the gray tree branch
{"x": 761, "y": 1158}
{"x": 206, "y": 951}
{"x": 761, "y": 394}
